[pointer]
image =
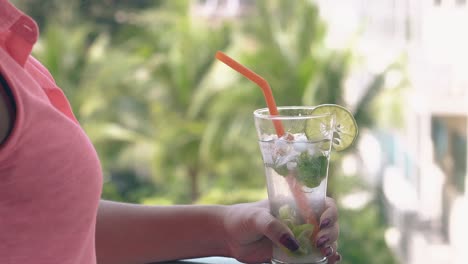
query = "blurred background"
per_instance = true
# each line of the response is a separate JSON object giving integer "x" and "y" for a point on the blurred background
{"x": 173, "y": 125}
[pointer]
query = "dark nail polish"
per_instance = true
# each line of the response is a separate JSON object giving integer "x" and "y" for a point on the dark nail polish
{"x": 325, "y": 223}
{"x": 289, "y": 242}
{"x": 321, "y": 242}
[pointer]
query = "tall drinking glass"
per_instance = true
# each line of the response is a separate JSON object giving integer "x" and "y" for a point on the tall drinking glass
{"x": 296, "y": 168}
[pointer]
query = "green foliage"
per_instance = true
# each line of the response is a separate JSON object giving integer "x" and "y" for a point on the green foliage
{"x": 382, "y": 106}
{"x": 362, "y": 229}
{"x": 222, "y": 196}
{"x": 362, "y": 237}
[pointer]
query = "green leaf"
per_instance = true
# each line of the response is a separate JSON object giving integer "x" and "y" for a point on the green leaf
{"x": 311, "y": 170}
{"x": 282, "y": 170}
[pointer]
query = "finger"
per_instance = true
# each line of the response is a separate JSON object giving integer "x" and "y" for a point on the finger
{"x": 263, "y": 203}
{"x": 261, "y": 252}
{"x": 335, "y": 258}
{"x": 276, "y": 231}
{"x": 330, "y": 215}
{"x": 330, "y": 250}
{"x": 328, "y": 236}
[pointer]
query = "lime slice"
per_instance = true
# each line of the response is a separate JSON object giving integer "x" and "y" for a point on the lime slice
{"x": 302, "y": 234}
{"x": 345, "y": 130}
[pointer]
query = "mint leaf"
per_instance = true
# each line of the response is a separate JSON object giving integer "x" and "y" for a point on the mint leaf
{"x": 311, "y": 170}
{"x": 303, "y": 230}
{"x": 282, "y": 170}
{"x": 302, "y": 234}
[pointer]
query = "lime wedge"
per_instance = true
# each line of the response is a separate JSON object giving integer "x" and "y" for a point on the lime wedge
{"x": 345, "y": 130}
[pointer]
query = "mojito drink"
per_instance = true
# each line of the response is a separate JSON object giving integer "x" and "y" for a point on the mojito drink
{"x": 296, "y": 168}
{"x": 296, "y": 172}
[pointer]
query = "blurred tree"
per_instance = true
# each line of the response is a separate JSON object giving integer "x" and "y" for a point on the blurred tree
{"x": 182, "y": 49}
{"x": 107, "y": 15}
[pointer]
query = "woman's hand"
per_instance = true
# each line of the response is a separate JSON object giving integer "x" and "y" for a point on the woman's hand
{"x": 251, "y": 231}
{"x": 329, "y": 230}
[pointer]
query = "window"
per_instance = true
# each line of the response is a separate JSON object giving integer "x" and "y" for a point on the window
{"x": 449, "y": 135}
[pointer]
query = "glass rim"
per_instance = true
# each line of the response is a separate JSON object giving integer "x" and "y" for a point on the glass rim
{"x": 261, "y": 113}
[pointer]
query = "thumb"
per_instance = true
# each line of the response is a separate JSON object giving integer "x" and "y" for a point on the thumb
{"x": 275, "y": 230}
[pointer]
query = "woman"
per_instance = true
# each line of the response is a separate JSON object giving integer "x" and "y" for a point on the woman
{"x": 51, "y": 179}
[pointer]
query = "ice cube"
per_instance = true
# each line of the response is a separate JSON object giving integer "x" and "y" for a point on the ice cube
{"x": 300, "y": 143}
{"x": 291, "y": 165}
{"x": 312, "y": 151}
{"x": 268, "y": 137}
{"x": 282, "y": 147}
{"x": 289, "y": 156}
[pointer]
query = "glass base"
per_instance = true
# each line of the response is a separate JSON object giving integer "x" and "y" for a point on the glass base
{"x": 322, "y": 261}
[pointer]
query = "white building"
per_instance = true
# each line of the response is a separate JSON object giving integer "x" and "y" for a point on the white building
{"x": 424, "y": 177}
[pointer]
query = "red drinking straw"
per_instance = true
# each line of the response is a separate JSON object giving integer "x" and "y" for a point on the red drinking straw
{"x": 295, "y": 187}
{"x": 262, "y": 83}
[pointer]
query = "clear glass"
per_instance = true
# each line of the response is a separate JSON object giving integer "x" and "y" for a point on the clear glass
{"x": 296, "y": 168}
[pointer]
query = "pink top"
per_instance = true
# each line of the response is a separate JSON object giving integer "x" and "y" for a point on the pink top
{"x": 50, "y": 175}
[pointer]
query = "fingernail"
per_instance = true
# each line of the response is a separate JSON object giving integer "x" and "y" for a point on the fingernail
{"x": 321, "y": 242}
{"x": 328, "y": 251}
{"x": 325, "y": 223}
{"x": 289, "y": 242}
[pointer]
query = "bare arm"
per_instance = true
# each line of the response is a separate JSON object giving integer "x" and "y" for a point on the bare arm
{"x": 128, "y": 233}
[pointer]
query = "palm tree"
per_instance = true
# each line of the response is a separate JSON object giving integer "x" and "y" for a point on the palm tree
{"x": 179, "y": 55}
